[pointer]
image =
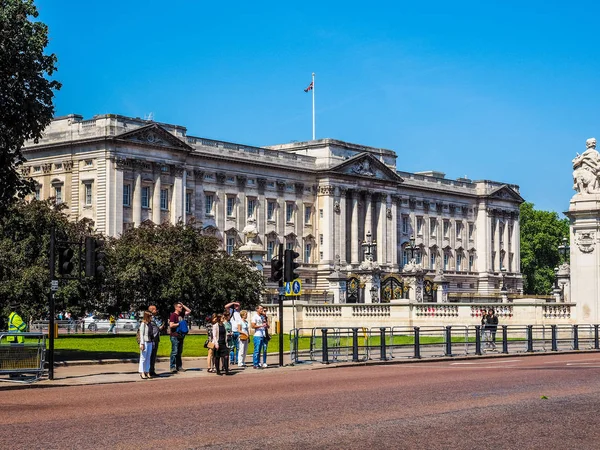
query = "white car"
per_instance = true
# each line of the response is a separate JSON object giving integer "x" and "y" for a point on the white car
{"x": 95, "y": 323}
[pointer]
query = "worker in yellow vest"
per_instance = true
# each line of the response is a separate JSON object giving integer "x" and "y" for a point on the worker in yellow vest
{"x": 15, "y": 325}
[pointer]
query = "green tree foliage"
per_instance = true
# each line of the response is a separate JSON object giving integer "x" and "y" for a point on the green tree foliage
{"x": 541, "y": 234}
{"x": 26, "y": 92}
{"x": 24, "y": 256}
{"x": 164, "y": 264}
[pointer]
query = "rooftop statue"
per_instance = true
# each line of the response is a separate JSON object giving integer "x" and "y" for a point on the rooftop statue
{"x": 586, "y": 169}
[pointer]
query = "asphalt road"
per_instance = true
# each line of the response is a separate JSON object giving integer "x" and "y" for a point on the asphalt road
{"x": 476, "y": 404}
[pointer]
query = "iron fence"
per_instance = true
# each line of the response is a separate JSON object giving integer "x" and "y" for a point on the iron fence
{"x": 22, "y": 356}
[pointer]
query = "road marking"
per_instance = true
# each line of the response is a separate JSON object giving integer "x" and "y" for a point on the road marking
{"x": 571, "y": 360}
{"x": 484, "y": 362}
{"x": 582, "y": 363}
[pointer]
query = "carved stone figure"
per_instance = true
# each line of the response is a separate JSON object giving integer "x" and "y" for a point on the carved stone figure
{"x": 585, "y": 241}
{"x": 586, "y": 169}
{"x": 363, "y": 168}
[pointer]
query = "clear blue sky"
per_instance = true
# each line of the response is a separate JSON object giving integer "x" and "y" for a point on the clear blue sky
{"x": 502, "y": 90}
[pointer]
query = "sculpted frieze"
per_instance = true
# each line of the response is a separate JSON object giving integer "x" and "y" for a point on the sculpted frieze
{"x": 299, "y": 187}
{"x": 221, "y": 177}
{"x": 363, "y": 168}
{"x": 46, "y": 168}
{"x": 280, "y": 186}
{"x": 326, "y": 190}
{"x": 68, "y": 165}
{"x": 585, "y": 240}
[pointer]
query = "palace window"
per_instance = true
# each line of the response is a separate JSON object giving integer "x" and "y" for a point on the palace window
{"x": 188, "y": 202}
{"x": 270, "y": 249}
{"x": 230, "y": 206}
{"x": 209, "y": 203}
{"x": 289, "y": 245}
{"x": 307, "y": 253}
{"x": 251, "y": 202}
{"x": 271, "y": 210}
{"x": 458, "y": 230}
{"x": 471, "y": 231}
{"x": 307, "y": 214}
{"x": 419, "y": 226}
{"x": 320, "y": 239}
{"x": 432, "y": 259}
{"x": 126, "y": 195}
{"x": 289, "y": 212}
{"x": 230, "y": 244}
{"x": 446, "y": 229}
{"x": 38, "y": 190}
{"x": 459, "y": 262}
{"x": 471, "y": 262}
{"x": 146, "y": 197}
{"x": 58, "y": 194}
{"x": 405, "y": 224}
{"x": 164, "y": 199}
{"x": 87, "y": 187}
{"x": 432, "y": 226}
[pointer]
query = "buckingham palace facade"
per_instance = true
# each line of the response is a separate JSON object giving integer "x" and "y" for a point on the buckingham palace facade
{"x": 322, "y": 198}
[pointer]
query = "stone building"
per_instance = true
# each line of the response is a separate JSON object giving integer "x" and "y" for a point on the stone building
{"x": 321, "y": 198}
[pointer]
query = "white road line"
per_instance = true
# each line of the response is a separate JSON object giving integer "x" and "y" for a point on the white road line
{"x": 582, "y": 363}
{"x": 572, "y": 360}
{"x": 485, "y": 362}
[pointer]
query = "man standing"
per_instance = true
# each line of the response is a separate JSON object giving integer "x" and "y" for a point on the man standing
{"x": 259, "y": 326}
{"x": 15, "y": 325}
{"x": 158, "y": 326}
{"x": 179, "y": 328}
{"x": 234, "y": 312}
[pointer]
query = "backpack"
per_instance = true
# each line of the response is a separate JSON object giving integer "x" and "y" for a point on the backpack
{"x": 183, "y": 327}
{"x": 138, "y": 337}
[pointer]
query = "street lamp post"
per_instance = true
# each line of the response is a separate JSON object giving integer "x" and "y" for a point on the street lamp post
{"x": 563, "y": 249}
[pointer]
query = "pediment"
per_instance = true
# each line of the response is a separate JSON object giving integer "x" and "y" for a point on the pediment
{"x": 365, "y": 165}
{"x": 505, "y": 192}
{"x": 154, "y": 135}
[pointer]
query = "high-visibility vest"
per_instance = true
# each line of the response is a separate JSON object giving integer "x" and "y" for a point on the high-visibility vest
{"x": 16, "y": 325}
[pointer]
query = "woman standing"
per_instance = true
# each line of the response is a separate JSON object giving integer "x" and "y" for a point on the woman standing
{"x": 221, "y": 351}
{"x": 145, "y": 346}
{"x": 243, "y": 329}
{"x": 209, "y": 335}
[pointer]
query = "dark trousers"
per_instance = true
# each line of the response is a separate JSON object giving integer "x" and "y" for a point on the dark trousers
{"x": 176, "y": 351}
{"x": 222, "y": 354}
{"x": 153, "y": 356}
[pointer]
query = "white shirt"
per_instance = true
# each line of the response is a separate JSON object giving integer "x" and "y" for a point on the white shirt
{"x": 235, "y": 319}
{"x": 258, "y": 321}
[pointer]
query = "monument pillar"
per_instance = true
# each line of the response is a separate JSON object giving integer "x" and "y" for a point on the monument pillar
{"x": 584, "y": 214}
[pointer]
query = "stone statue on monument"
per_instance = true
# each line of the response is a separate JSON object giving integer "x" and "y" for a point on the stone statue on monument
{"x": 586, "y": 169}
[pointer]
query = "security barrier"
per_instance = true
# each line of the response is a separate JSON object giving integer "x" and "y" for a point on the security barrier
{"x": 22, "y": 361}
{"x": 330, "y": 345}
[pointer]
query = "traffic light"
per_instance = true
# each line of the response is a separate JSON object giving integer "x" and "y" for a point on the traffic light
{"x": 276, "y": 269}
{"x": 290, "y": 265}
{"x": 94, "y": 257}
{"x": 65, "y": 260}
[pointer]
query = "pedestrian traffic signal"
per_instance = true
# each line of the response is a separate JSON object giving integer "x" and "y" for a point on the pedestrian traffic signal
{"x": 276, "y": 269}
{"x": 94, "y": 257}
{"x": 290, "y": 266}
{"x": 65, "y": 260}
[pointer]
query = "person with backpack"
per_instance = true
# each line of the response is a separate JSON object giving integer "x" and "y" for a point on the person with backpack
{"x": 179, "y": 329}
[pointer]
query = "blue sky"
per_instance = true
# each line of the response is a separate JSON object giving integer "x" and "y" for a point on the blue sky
{"x": 501, "y": 90}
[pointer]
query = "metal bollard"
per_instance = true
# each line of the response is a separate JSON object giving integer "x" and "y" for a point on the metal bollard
{"x": 324, "y": 346}
{"x": 505, "y": 339}
{"x": 354, "y": 344}
{"x": 382, "y": 348}
{"x": 530, "y": 338}
{"x": 554, "y": 338}
{"x": 478, "y": 340}
{"x": 448, "y": 341}
{"x": 596, "y": 340}
{"x": 575, "y": 337}
{"x": 417, "y": 343}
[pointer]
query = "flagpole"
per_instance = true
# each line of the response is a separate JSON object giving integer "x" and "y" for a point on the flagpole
{"x": 313, "y": 99}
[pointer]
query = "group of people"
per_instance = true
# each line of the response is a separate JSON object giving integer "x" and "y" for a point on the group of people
{"x": 489, "y": 325}
{"x": 228, "y": 334}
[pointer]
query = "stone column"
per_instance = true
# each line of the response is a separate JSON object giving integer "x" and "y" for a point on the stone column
{"x": 199, "y": 195}
{"x": 136, "y": 207}
{"x": 176, "y": 212}
{"x": 516, "y": 243}
{"x": 342, "y": 235}
{"x": 354, "y": 229}
{"x": 368, "y": 213}
{"x": 156, "y": 196}
{"x": 393, "y": 231}
{"x": 280, "y": 213}
{"x": 382, "y": 241}
{"x": 299, "y": 222}
{"x": 118, "y": 205}
{"x": 326, "y": 201}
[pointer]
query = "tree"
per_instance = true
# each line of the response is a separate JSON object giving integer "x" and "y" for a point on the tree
{"x": 24, "y": 256}
{"x": 163, "y": 264}
{"x": 541, "y": 234}
{"x": 26, "y": 92}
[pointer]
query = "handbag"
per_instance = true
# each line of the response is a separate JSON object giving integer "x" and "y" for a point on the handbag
{"x": 206, "y": 343}
{"x": 243, "y": 336}
{"x": 210, "y": 344}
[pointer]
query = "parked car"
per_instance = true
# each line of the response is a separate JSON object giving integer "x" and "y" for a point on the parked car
{"x": 98, "y": 323}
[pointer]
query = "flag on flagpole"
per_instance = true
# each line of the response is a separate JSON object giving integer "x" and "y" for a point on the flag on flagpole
{"x": 310, "y": 87}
